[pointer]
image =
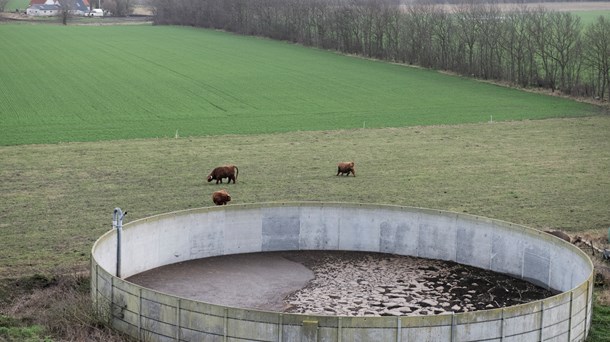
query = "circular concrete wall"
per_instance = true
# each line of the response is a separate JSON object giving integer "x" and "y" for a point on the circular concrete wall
{"x": 476, "y": 241}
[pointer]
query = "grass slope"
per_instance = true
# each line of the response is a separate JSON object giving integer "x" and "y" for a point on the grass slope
{"x": 57, "y": 199}
{"x": 91, "y": 83}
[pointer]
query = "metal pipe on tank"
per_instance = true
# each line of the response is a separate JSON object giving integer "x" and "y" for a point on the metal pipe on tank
{"x": 117, "y": 223}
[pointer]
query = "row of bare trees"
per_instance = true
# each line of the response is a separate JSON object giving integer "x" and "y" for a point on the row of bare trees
{"x": 529, "y": 47}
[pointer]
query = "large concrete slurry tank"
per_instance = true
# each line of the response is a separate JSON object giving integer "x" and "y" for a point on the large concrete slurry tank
{"x": 235, "y": 229}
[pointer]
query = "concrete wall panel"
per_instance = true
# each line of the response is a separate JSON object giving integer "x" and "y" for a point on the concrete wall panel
{"x": 437, "y": 237}
{"x": 198, "y": 322}
{"x": 506, "y": 251}
{"x": 474, "y": 243}
{"x": 243, "y": 232}
{"x": 281, "y": 229}
{"x": 524, "y": 318}
{"x": 358, "y": 230}
{"x": 528, "y": 336}
{"x": 206, "y": 235}
{"x": 188, "y": 335}
{"x": 319, "y": 229}
{"x": 399, "y": 233}
{"x": 536, "y": 264}
{"x": 253, "y": 330}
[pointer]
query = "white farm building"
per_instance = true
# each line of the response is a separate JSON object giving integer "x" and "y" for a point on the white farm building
{"x": 48, "y": 8}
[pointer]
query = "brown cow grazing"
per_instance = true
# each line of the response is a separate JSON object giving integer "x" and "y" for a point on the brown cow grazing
{"x": 226, "y": 171}
{"x": 221, "y": 197}
{"x": 345, "y": 168}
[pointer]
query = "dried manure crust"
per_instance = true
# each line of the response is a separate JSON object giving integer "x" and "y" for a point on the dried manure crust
{"x": 341, "y": 283}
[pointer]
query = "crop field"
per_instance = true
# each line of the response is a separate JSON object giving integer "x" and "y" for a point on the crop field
{"x": 589, "y": 17}
{"x": 122, "y": 82}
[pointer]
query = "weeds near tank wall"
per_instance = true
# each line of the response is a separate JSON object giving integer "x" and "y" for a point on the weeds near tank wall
{"x": 54, "y": 308}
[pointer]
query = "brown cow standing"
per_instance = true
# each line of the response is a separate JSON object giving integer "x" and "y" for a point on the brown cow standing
{"x": 345, "y": 168}
{"x": 226, "y": 171}
{"x": 221, "y": 197}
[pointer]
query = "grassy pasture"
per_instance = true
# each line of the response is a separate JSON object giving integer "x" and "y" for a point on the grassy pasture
{"x": 57, "y": 199}
{"x": 12, "y": 5}
{"x": 589, "y": 17}
{"x": 92, "y": 83}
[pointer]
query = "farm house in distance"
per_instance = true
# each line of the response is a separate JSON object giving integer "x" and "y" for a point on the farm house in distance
{"x": 48, "y": 8}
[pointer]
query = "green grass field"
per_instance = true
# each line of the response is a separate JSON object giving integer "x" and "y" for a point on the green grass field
{"x": 12, "y": 5}
{"x": 92, "y": 83}
{"x": 589, "y": 17}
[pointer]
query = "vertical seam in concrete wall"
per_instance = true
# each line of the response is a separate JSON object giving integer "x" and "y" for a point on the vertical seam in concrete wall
{"x": 522, "y": 263}
{"x": 178, "y": 323}
{"x": 541, "y": 321}
{"x": 225, "y": 325}
{"x": 140, "y": 313}
{"x": 570, "y": 316}
{"x": 280, "y": 327}
{"x": 398, "y": 329}
{"x": 453, "y": 323}
{"x": 548, "y": 284}
{"x": 111, "y": 298}
{"x": 97, "y": 302}
{"x": 502, "y": 329}
{"x": 339, "y": 326}
{"x": 338, "y": 231}
{"x": 455, "y": 237}
{"x": 586, "y": 328}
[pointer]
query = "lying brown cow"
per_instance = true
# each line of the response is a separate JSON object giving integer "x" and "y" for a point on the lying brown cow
{"x": 226, "y": 171}
{"x": 345, "y": 168}
{"x": 221, "y": 197}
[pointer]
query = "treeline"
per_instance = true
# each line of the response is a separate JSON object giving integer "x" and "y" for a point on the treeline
{"x": 528, "y": 47}
{"x": 492, "y": 1}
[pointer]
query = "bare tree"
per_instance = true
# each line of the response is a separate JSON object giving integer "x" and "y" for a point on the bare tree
{"x": 66, "y": 10}
{"x": 442, "y": 29}
{"x": 468, "y": 28}
{"x": 597, "y": 54}
{"x": 564, "y": 48}
{"x": 119, "y": 8}
{"x": 517, "y": 45}
{"x": 3, "y": 5}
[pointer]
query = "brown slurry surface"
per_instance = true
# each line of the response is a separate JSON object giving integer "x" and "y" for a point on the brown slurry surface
{"x": 340, "y": 283}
